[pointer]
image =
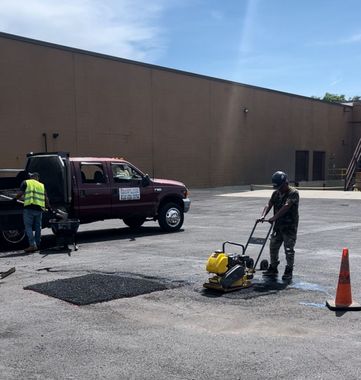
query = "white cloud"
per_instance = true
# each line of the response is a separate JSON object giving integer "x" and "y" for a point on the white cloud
{"x": 249, "y": 25}
{"x": 124, "y": 28}
{"x": 216, "y": 15}
{"x": 335, "y": 81}
{"x": 352, "y": 39}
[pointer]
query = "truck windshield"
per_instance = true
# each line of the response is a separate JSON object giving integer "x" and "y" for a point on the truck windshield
{"x": 124, "y": 172}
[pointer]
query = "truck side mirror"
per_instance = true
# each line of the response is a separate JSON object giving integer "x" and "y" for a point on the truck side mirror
{"x": 145, "y": 181}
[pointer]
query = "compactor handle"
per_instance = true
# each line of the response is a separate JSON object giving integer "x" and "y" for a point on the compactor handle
{"x": 264, "y": 240}
{"x": 232, "y": 243}
{"x": 262, "y": 221}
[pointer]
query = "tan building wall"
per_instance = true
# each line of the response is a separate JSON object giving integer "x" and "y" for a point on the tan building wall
{"x": 170, "y": 123}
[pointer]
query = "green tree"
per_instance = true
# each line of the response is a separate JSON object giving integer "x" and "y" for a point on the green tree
{"x": 356, "y": 99}
{"x": 334, "y": 98}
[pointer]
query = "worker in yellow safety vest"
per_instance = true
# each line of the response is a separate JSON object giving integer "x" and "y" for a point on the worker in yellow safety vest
{"x": 35, "y": 202}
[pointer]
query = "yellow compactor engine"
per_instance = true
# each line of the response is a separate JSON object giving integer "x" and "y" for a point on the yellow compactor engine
{"x": 217, "y": 263}
{"x": 231, "y": 271}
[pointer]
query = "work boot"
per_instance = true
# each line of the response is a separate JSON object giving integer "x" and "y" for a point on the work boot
{"x": 31, "y": 249}
{"x": 287, "y": 276}
{"x": 272, "y": 271}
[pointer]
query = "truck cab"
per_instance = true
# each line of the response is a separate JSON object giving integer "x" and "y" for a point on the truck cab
{"x": 109, "y": 188}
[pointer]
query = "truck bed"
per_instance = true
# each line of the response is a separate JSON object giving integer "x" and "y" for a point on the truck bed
{"x": 7, "y": 193}
{"x": 10, "y": 212}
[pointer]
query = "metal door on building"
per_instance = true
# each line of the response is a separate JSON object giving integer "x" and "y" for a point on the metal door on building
{"x": 301, "y": 170}
{"x": 318, "y": 166}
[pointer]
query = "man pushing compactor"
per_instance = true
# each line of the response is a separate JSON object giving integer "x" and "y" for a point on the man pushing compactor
{"x": 284, "y": 201}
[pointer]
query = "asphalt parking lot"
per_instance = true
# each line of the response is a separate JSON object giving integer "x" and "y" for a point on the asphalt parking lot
{"x": 280, "y": 331}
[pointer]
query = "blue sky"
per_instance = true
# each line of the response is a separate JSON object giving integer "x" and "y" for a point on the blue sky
{"x": 305, "y": 47}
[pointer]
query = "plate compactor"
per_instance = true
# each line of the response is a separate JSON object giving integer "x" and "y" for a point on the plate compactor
{"x": 235, "y": 271}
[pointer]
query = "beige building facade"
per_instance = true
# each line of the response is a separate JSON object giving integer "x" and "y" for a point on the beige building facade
{"x": 203, "y": 131}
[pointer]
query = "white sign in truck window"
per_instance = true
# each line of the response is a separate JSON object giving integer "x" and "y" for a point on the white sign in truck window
{"x": 129, "y": 193}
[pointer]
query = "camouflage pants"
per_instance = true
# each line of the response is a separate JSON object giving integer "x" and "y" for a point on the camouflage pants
{"x": 286, "y": 235}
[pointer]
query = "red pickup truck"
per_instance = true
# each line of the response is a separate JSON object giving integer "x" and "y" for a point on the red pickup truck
{"x": 92, "y": 189}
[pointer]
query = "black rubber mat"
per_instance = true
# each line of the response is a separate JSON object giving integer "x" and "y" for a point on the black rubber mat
{"x": 94, "y": 288}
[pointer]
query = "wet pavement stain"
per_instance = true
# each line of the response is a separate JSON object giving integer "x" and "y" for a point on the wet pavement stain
{"x": 266, "y": 287}
{"x": 312, "y": 304}
{"x": 307, "y": 286}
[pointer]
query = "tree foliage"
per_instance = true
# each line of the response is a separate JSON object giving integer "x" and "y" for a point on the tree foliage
{"x": 334, "y": 98}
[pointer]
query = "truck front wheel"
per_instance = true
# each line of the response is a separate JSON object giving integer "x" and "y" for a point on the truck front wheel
{"x": 13, "y": 238}
{"x": 134, "y": 222}
{"x": 170, "y": 217}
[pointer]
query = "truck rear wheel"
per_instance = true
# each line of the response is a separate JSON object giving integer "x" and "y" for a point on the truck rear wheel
{"x": 13, "y": 238}
{"x": 170, "y": 217}
{"x": 134, "y": 222}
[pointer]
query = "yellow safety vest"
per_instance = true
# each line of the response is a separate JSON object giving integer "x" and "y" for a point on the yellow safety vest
{"x": 34, "y": 193}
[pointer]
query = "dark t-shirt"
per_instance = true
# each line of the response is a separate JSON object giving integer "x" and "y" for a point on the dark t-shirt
{"x": 278, "y": 200}
{"x": 31, "y": 207}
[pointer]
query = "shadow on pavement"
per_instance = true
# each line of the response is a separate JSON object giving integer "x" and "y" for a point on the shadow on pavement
{"x": 258, "y": 289}
{"x": 48, "y": 243}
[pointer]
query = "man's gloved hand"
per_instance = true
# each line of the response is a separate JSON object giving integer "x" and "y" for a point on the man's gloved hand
{"x": 261, "y": 219}
{"x": 14, "y": 200}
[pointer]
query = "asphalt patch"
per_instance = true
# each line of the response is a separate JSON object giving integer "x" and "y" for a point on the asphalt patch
{"x": 95, "y": 287}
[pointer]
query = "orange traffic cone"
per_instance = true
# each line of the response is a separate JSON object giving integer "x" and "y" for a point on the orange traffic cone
{"x": 343, "y": 299}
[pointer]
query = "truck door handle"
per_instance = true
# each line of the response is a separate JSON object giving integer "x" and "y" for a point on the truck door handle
{"x": 82, "y": 193}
